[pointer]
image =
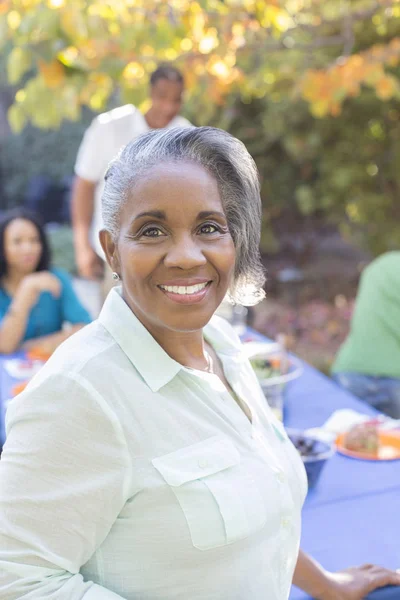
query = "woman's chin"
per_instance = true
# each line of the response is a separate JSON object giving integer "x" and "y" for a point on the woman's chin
{"x": 186, "y": 320}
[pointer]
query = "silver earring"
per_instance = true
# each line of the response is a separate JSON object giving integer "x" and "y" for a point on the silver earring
{"x": 115, "y": 276}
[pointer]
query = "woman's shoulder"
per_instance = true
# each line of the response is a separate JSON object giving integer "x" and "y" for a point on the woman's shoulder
{"x": 64, "y": 277}
{"x": 60, "y": 273}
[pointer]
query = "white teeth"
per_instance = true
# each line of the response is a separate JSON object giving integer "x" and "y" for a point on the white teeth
{"x": 184, "y": 289}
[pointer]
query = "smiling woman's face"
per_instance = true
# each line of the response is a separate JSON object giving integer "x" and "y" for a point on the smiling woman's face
{"x": 22, "y": 246}
{"x": 174, "y": 252}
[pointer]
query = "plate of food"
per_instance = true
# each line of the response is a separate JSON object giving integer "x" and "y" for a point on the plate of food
{"x": 23, "y": 368}
{"x": 367, "y": 441}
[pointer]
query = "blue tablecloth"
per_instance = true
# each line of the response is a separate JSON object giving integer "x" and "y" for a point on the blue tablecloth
{"x": 353, "y": 514}
{"x": 6, "y": 384}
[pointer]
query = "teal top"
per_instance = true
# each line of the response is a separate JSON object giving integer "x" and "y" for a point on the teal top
{"x": 373, "y": 344}
{"x": 50, "y": 313}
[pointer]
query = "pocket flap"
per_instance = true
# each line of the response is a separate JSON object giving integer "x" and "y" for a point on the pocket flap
{"x": 197, "y": 461}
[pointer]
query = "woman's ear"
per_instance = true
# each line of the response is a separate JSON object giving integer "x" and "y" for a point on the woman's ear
{"x": 110, "y": 249}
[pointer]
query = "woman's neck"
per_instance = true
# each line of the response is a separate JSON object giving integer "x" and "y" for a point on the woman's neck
{"x": 187, "y": 348}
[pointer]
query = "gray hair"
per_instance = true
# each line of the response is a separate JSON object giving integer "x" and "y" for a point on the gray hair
{"x": 228, "y": 161}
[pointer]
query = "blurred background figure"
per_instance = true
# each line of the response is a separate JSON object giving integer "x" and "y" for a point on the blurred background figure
{"x": 102, "y": 141}
{"x": 36, "y": 301}
{"x": 368, "y": 363}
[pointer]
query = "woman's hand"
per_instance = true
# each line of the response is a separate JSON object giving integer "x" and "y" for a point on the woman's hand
{"x": 357, "y": 582}
{"x": 43, "y": 281}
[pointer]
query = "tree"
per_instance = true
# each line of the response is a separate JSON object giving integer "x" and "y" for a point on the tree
{"x": 311, "y": 87}
{"x": 65, "y": 54}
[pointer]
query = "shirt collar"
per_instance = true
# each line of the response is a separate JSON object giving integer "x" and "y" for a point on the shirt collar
{"x": 155, "y": 366}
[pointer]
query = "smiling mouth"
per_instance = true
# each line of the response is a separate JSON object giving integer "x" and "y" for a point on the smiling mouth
{"x": 185, "y": 290}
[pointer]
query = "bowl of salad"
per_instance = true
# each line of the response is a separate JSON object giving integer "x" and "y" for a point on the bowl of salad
{"x": 272, "y": 364}
{"x": 274, "y": 369}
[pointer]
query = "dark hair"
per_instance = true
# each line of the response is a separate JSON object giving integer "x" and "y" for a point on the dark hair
{"x": 26, "y": 215}
{"x": 167, "y": 72}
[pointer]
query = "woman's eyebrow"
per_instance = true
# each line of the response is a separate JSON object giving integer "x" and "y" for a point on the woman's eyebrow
{"x": 210, "y": 213}
{"x": 156, "y": 214}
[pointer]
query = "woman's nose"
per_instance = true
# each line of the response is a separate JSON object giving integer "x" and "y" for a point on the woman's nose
{"x": 28, "y": 246}
{"x": 185, "y": 254}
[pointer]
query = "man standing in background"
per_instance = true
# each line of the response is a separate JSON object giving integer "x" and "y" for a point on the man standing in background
{"x": 106, "y": 135}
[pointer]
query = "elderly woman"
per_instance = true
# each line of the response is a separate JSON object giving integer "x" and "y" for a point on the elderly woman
{"x": 142, "y": 462}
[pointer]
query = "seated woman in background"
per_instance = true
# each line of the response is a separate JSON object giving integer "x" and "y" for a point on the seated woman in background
{"x": 368, "y": 363}
{"x": 35, "y": 300}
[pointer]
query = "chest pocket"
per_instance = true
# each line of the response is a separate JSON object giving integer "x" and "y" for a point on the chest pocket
{"x": 218, "y": 496}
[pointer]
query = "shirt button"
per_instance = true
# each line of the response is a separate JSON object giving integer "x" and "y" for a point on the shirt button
{"x": 285, "y": 522}
{"x": 281, "y": 477}
{"x": 203, "y": 463}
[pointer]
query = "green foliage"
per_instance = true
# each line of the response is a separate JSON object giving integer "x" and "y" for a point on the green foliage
{"x": 36, "y": 152}
{"x": 312, "y": 89}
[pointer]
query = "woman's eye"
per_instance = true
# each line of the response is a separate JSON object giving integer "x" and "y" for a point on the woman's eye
{"x": 152, "y": 232}
{"x": 208, "y": 228}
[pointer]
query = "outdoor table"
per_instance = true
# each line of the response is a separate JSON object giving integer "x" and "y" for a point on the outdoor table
{"x": 352, "y": 516}
{"x": 7, "y": 382}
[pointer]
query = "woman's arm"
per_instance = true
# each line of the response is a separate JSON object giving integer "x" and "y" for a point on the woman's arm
{"x": 64, "y": 478}
{"x": 14, "y": 323}
{"x": 310, "y": 577}
{"x": 350, "y": 584}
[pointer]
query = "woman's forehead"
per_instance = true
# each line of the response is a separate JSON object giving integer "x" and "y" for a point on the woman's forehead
{"x": 170, "y": 187}
{"x": 21, "y": 226}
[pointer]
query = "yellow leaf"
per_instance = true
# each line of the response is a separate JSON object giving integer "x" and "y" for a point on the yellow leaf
{"x": 13, "y": 19}
{"x": 320, "y": 108}
{"x": 219, "y": 68}
{"x": 209, "y": 41}
{"x": 186, "y": 44}
{"x": 68, "y": 56}
{"x": 170, "y": 54}
{"x": 386, "y": 87}
{"x": 73, "y": 22}
{"x": 16, "y": 117}
{"x": 53, "y": 73}
{"x": 20, "y": 96}
{"x": 19, "y": 62}
{"x": 133, "y": 71}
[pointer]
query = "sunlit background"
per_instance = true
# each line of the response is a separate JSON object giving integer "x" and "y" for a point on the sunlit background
{"x": 311, "y": 87}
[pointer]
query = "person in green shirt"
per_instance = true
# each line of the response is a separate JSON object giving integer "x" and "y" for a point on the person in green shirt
{"x": 368, "y": 363}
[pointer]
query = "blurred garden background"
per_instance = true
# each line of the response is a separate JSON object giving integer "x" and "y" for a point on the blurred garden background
{"x": 312, "y": 87}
